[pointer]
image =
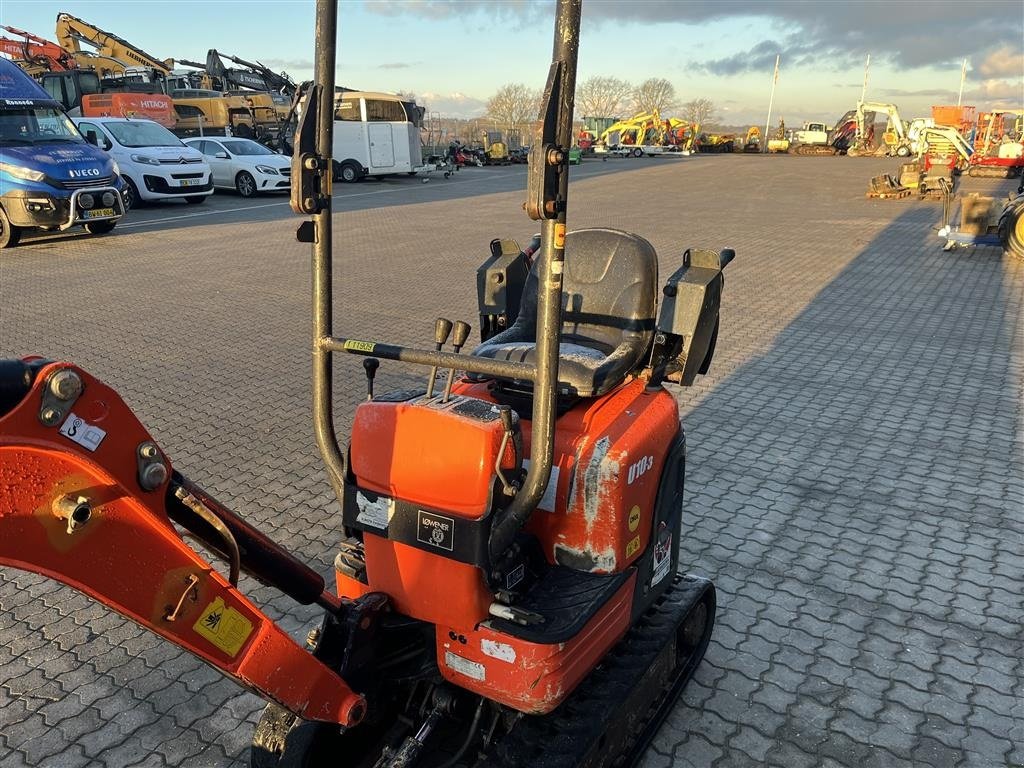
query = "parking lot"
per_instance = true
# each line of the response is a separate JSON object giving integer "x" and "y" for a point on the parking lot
{"x": 854, "y": 476}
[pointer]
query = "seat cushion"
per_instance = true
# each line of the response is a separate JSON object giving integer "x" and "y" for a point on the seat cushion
{"x": 608, "y": 313}
{"x": 582, "y": 371}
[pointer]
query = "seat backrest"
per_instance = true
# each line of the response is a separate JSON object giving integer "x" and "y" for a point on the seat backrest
{"x": 609, "y": 289}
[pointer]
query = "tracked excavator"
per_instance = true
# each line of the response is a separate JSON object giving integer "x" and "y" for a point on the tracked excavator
{"x": 268, "y": 93}
{"x": 838, "y": 141}
{"x": 895, "y": 141}
{"x": 508, "y": 588}
{"x": 198, "y": 110}
{"x": 88, "y": 85}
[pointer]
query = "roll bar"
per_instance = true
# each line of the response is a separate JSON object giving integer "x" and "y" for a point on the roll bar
{"x": 547, "y": 190}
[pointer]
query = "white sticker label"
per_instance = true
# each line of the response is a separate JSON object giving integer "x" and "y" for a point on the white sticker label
{"x": 500, "y": 651}
{"x": 78, "y": 430}
{"x": 465, "y": 667}
{"x": 662, "y": 556}
{"x": 547, "y": 502}
{"x": 376, "y": 513}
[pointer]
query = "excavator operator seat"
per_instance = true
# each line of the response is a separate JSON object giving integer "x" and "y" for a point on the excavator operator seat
{"x": 609, "y": 289}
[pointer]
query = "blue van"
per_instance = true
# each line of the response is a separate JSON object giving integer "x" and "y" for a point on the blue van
{"x": 50, "y": 177}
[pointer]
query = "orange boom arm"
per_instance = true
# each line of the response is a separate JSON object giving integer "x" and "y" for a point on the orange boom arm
{"x": 84, "y": 496}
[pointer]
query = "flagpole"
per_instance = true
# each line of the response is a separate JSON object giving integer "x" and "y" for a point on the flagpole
{"x": 771, "y": 101}
{"x": 864, "y": 89}
{"x": 963, "y": 76}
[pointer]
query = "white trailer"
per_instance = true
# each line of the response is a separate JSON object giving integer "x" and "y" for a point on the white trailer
{"x": 376, "y": 134}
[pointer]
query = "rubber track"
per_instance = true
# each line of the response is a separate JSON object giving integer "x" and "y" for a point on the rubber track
{"x": 564, "y": 738}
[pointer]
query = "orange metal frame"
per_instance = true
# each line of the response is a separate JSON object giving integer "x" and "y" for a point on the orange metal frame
{"x": 126, "y": 552}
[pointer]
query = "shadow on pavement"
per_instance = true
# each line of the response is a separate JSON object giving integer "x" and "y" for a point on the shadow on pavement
{"x": 855, "y": 492}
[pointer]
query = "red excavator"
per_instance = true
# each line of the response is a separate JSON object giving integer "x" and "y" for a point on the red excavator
{"x": 508, "y": 586}
{"x": 36, "y": 54}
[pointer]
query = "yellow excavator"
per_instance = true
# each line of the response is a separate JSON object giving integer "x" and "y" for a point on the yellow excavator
{"x": 648, "y": 129}
{"x": 199, "y": 110}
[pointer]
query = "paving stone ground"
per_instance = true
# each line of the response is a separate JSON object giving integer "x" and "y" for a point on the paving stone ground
{"x": 855, "y": 484}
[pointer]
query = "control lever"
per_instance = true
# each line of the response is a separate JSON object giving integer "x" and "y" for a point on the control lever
{"x": 458, "y": 340}
{"x": 442, "y": 329}
{"x": 370, "y": 366}
{"x": 505, "y": 414}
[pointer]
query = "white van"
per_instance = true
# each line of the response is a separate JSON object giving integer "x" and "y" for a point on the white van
{"x": 154, "y": 163}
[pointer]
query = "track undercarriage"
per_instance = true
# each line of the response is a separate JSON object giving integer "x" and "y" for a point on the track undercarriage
{"x": 606, "y": 723}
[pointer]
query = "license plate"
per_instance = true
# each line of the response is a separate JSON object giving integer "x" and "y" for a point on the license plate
{"x": 98, "y": 213}
{"x": 191, "y": 182}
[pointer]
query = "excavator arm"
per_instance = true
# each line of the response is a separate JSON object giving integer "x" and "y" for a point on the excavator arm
{"x": 72, "y": 31}
{"x": 36, "y": 50}
{"x": 247, "y": 74}
{"x": 889, "y": 110}
{"x": 87, "y": 498}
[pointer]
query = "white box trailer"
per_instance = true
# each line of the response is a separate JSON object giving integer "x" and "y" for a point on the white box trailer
{"x": 376, "y": 134}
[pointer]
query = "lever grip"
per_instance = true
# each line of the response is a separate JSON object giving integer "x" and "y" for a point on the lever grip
{"x": 442, "y": 330}
{"x": 462, "y": 330}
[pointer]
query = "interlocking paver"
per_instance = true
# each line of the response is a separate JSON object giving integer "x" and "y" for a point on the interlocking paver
{"x": 854, "y": 487}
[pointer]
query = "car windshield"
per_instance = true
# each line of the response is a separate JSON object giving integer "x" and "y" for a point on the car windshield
{"x": 245, "y": 147}
{"x": 142, "y": 133}
{"x": 36, "y": 125}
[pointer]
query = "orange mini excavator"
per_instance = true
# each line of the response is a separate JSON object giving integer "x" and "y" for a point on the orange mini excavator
{"x": 507, "y": 588}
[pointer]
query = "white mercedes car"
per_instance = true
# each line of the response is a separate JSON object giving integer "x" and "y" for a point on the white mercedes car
{"x": 244, "y": 165}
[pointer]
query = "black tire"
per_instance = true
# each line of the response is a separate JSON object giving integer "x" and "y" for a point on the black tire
{"x": 9, "y": 234}
{"x": 350, "y": 172}
{"x": 638, "y": 152}
{"x": 130, "y": 196}
{"x": 1011, "y": 230}
{"x": 100, "y": 227}
{"x": 245, "y": 184}
{"x": 195, "y": 199}
{"x": 903, "y": 151}
{"x": 243, "y": 131}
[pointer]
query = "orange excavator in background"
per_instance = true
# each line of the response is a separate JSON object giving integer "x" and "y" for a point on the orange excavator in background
{"x": 507, "y": 586}
{"x": 84, "y": 84}
{"x": 35, "y": 54}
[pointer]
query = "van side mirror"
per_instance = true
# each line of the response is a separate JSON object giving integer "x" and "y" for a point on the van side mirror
{"x": 92, "y": 138}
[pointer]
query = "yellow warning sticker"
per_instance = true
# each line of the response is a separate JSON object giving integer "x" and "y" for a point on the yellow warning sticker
{"x": 359, "y": 346}
{"x": 225, "y": 627}
{"x": 634, "y": 519}
{"x": 632, "y": 547}
{"x": 559, "y": 235}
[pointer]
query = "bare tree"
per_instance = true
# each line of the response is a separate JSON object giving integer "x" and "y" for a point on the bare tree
{"x": 513, "y": 106}
{"x": 406, "y": 95}
{"x": 654, "y": 94}
{"x": 602, "y": 96}
{"x": 700, "y": 111}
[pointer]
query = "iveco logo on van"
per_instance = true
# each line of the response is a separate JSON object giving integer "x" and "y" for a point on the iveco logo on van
{"x": 84, "y": 172}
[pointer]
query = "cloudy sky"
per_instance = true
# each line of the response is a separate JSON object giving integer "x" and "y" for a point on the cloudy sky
{"x": 454, "y": 55}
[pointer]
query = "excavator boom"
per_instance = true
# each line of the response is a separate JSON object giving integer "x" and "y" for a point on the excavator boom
{"x": 247, "y": 75}
{"x": 36, "y": 51}
{"x": 87, "y": 498}
{"x": 72, "y": 31}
